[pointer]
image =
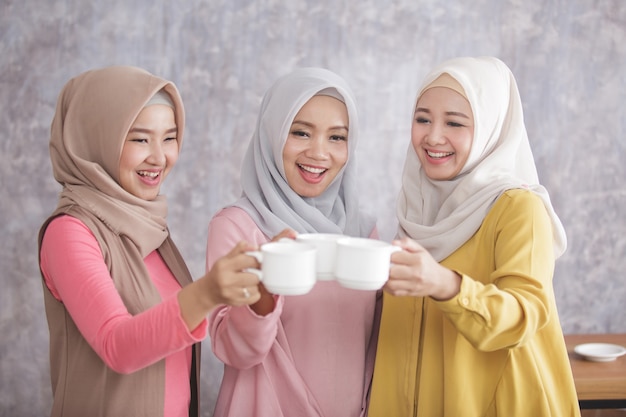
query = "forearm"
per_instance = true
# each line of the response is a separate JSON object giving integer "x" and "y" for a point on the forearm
{"x": 240, "y": 337}
{"x": 128, "y": 344}
{"x": 493, "y": 318}
{"x": 506, "y": 292}
{"x": 266, "y": 303}
{"x": 195, "y": 304}
{"x": 448, "y": 286}
{"x": 75, "y": 272}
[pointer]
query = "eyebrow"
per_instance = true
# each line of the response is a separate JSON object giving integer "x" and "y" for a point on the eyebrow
{"x": 448, "y": 113}
{"x": 144, "y": 130}
{"x": 311, "y": 125}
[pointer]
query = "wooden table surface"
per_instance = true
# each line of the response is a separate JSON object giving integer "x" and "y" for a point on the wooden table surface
{"x": 598, "y": 380}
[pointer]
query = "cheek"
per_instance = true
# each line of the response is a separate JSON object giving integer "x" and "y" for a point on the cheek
{"x": 462, "y": 147}
{"x": 416, "y": 137}
{"x": 128, "y": 162}
{"x": 466, "y": 145}
{"x": 341, "y": 155}
{"x": 125, "y": 173}
{"x": 171, "y": 154}
{"x": 290, "y": 150}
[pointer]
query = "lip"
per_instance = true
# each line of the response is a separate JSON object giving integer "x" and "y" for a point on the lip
{"x": 150, "y": 180}
{"x": 437, "y": 156}
{"x": 312, "y": 177}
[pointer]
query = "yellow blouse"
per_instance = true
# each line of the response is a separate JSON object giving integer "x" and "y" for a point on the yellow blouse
{"x": 495, "y": 349}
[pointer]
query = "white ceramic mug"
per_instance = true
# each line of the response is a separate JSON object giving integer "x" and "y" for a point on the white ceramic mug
{"x": 362, "y": 263}
{"x": 326, "y": 244}
{"x": 287, "y": 267}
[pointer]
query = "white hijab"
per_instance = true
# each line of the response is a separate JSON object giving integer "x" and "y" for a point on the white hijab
{"x": 267, "y": 197}
{"x": 443, "y": 215}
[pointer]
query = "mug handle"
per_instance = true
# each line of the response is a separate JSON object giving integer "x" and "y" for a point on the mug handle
{"x": 258, "y": 255}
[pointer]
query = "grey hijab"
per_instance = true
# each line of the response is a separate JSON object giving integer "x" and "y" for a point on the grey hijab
{"x": 266, "y": 196}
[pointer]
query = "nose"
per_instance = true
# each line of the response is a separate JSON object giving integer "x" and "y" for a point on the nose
{"x": 318, "y": 148}
{"x": 157, "y": 154}
{"x": 435, "y": 135}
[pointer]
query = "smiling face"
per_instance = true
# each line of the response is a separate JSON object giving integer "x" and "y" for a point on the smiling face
{"x": 442, "y": 132}
{"x": 317, "y": 146}
{"x": 150, "y": 151}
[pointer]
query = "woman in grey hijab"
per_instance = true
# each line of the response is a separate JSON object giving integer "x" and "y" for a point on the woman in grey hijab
{"x": 309, "y": 355}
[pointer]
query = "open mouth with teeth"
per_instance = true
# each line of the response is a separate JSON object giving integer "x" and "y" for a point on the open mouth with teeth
{"x": 438, "y": 155}
{"x": 148, "y": 174}
{"x": 149, "y": 177}
{"x": 312, "y": 174}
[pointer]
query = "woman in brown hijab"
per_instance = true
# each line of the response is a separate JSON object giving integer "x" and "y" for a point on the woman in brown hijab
{"x": 124, "y": 315}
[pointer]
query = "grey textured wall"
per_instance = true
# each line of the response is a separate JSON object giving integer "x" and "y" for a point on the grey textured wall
{"x": 568, "y": 56}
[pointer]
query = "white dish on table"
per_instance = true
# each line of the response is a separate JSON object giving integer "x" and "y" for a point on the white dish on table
{"x": 600, "y": 352}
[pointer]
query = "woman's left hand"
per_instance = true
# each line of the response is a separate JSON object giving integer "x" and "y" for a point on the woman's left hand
{"x": 414, "y": 272}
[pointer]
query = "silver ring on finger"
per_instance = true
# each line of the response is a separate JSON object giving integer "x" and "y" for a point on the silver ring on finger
{"x": 246, "y": 293}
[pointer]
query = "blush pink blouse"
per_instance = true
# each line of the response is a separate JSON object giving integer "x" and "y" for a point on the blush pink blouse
{"x": 312, "y": 356}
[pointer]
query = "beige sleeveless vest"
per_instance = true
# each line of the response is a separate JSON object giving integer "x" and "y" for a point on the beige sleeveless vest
{"x": 82, "y": 384}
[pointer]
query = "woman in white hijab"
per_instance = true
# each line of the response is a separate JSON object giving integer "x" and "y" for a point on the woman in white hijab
{"x": 470, "y": 324}
{"x": 309, "y": 355}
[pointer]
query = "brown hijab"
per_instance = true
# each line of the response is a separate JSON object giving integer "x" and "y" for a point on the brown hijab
{"x": 94, "y": 113}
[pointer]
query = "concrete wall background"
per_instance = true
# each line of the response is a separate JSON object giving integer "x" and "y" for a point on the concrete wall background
{"x": 568, "y": 57}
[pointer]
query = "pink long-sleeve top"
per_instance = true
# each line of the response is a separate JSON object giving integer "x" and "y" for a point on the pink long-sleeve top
{"x": 75, "y": 273}
{"x": 312, "y": 356}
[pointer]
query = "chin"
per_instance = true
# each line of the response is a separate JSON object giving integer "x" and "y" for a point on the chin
{"x": 146, "y": 197}
{"x": 310, "y": 193}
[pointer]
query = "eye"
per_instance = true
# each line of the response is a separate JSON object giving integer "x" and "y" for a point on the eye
{"x": 171, "y": 138}
{"x": 421, "y": 120}
{"x": 455, "y": 124}
{"x": 338, "y": 138}
{"x": 139, "y": 140}
{"x": 299, "y": 133}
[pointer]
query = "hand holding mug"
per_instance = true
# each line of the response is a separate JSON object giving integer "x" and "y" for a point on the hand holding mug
{"x": 287, "y": 267}
{"x": 228, "y": 283}
{"x": 416, "y": 273}
{"x": 362, "y": 263}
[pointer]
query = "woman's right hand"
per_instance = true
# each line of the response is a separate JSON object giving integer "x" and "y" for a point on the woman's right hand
{"x": 416, "y": 273}
{"x": 227, "y": 282}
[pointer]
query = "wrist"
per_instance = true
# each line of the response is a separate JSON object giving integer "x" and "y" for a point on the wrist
{"x": 450, "y": 288}
{"x": 266, "y": 303}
